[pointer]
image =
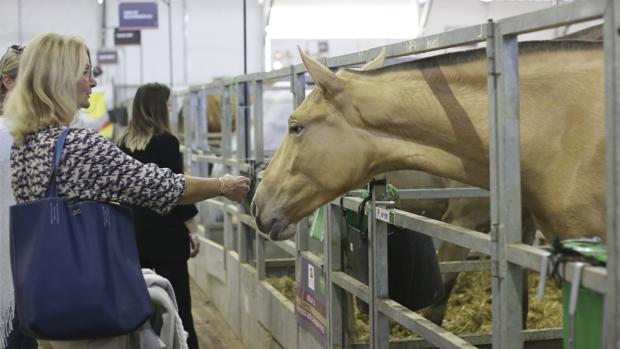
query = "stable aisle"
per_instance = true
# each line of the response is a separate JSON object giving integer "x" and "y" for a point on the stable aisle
{"x": 212, "y": 330}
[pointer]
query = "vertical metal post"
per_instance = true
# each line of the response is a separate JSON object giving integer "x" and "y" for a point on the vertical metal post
{"x": 185, "y": 36}
{"x": 169, "y": 3}
{"x": 142, "y": 66}
{"x": 243, "y": 129}
{"x": 259, "y": 152}
{"x": 261, "y": 270}
{"x": 202, "y": 129}
{"x": 259, "y": 156}
{"x": 336, "y": 297}
{"x": 378, "y": 278}
{"x": 227, "y": 154}
{"x": 298, "y": 88}
{"x": 506, "y": 193}
{"x": 242, "y": 119}
{"x": 612, "y": 111}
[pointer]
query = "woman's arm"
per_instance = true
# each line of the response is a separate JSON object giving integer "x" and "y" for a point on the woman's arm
{"x": 198, "y": 189}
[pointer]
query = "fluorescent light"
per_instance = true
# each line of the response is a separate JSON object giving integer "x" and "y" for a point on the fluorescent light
{"x": 343, "y": 22}
{"x": 100, "y": 2}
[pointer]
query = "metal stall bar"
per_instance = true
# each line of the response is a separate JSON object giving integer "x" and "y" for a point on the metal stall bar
{"x": 259, "y": 151}
{"x": 336, "y": 298}
{"x": 471, "y": 239}
{"x": 227, "y": 154}
{"x": 259, "y": 155}
{"x": 506, "y": 191}
{"x": 612, "y": 110}
{"x": 555, "y": 16}
{"x": 447, "y": 193}
{"x": 298, "y": 89}
{"x": 378, "y": 268}
{"x": 425, "y": 328}
{"x": 594, "y": 278}
{"x": 243, "y": 130}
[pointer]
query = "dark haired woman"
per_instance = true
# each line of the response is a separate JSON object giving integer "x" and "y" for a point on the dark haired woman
{"x": 165, "y": 242}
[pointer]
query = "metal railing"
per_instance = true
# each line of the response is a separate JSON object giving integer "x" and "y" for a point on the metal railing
{"x": 508, "y": 255}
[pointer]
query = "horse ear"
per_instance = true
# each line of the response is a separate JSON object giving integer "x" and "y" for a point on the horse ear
{"x": 376, "y": 62}
{"x": 321, "y": 75}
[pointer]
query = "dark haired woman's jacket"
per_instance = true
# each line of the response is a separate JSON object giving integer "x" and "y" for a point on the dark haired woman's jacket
{"x": 162, "y": 237}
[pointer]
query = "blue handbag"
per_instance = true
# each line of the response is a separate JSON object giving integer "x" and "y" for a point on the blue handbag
{"x": 75, "y": 267}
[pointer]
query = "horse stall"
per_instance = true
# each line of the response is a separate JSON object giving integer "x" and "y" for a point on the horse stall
{"x": 237, "y": 261}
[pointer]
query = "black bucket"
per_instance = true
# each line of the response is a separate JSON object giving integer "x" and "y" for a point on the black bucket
{"x": 414, "y": 278}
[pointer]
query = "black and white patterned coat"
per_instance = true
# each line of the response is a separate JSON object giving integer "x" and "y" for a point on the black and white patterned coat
{"x": 91, "y": 168}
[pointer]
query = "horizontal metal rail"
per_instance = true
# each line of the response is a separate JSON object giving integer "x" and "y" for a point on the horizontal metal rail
{"x": 351, "y": 285}
{"x": 442, "y": 193}
{"x": 471, "y": 239}
{"x": 577, "y": 11}
{"x": 464, "y": 266}
{"x": 474, "y": 339}
{"x": 422, "y": 326}
{"x": 458, "y": 37}
{"x": 594, "y": 278}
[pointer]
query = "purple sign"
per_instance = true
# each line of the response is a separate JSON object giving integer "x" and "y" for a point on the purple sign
{"x": 137, "y": 15}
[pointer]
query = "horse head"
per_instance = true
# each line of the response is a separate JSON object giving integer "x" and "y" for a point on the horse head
{"x": 323, "y": 155}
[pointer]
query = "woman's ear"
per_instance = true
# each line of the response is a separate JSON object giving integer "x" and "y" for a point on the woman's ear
{"x": 7, "y": 82}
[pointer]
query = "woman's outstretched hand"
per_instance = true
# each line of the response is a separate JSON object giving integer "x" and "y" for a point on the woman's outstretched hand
{"x": 235, "y": 187}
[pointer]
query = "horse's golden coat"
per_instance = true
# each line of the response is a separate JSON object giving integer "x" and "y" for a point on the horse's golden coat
{"x": 432, "y": 116}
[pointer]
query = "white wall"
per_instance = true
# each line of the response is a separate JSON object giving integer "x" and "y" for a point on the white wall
{"x": 77, "y": 17}
{"x": 214, "y": 42}
{"x": 214, "y": 45}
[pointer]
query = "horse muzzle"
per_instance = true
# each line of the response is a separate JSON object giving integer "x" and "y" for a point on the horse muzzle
{"x": 277, "y": 226}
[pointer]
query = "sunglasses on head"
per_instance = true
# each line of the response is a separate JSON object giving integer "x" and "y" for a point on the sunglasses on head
{"x": 17, "y": 48}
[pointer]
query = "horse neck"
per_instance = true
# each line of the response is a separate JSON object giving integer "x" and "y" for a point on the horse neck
{"x": 433, "y": 120}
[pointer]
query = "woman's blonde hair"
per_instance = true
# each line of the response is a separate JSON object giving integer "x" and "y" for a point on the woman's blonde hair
{"x": 46, "y": 87}
{"x": 149, "y": 116}
{"x": 9, "y": 64}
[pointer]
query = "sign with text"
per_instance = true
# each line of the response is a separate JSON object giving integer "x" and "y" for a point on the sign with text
{"x": 107, "y": 57}
{"x": 136, "y": 15}
{"x": 127, "y": 37}
{"x": 311, "y": 300}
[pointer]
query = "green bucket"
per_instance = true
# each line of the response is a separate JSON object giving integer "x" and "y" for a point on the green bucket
{"x": 588, "y": 318}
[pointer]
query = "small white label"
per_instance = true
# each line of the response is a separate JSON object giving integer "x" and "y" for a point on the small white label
{"x": 311, "y": 277}
{"x": 382, "y": 214}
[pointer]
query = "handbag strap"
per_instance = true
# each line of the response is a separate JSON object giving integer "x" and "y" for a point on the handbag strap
{"x": 50, "y": 191}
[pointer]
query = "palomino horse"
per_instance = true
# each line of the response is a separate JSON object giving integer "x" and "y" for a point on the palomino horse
{"x": 431, "y": 115}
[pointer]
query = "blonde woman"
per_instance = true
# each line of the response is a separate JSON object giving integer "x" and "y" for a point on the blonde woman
{"x": 9, "y": 336}
{"x": 55, "y": 80}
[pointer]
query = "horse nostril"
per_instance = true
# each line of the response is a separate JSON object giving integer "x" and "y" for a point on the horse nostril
{"x": 253, "y": 209}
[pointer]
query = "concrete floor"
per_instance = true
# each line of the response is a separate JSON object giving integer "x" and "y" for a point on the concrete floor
{"x": 212, "y": 330}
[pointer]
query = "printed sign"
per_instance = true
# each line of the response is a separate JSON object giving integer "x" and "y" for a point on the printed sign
{"x": 107, "y": 57}
{"x": 136, "y": 15}
{"x": 311, "y": 300}
{"x": 311, "y": 277}
{"x": 127, "y": 37}
{"x": 383, "y": 214}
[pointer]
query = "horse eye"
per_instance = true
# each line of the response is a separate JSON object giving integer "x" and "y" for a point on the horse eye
{"x": 295, "y": 129}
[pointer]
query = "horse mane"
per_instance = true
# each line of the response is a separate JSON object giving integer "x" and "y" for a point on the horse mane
{"x": 460, "y": 57}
